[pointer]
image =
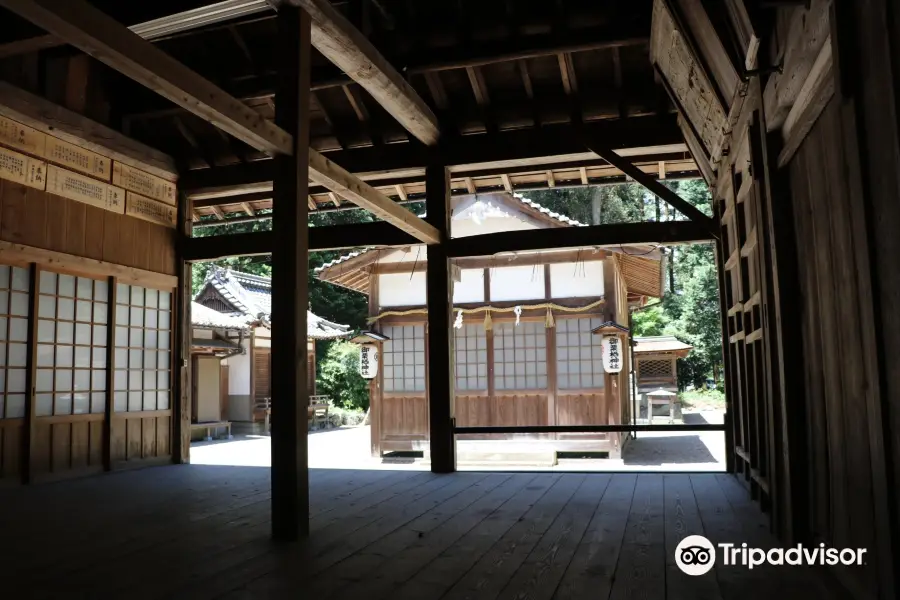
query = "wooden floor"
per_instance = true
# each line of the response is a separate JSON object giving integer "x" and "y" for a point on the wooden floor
{"x": 202, "y": 532}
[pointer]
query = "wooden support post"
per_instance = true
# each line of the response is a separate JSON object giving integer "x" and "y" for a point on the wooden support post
{"x": 30, "y": 363}
{"x": 181, "y": 415}
{"x": 440, "y": 352}
{"x": 109, "y": 411}
{"x": 730, "y": 382}
{"x": 290, "y": 396}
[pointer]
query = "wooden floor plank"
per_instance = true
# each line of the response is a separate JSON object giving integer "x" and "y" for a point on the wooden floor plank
{"x": 591, "y": 572}
{"x": 540, "y": 574}
{"x": 720, "y": 526}
{"x": 295, "y": 567}
{"x": 199, "y": 532}
{"x": 378, "y": 570}
{"x": 448, "y": 567}
{"x": 491, "y": 574}
{"x": 640, "y": 572}
{"x": 682, "y": 518}
{"x": 817, "y": 582}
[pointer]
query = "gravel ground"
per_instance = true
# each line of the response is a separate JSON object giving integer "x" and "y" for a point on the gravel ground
{"x": 348, "y": 447}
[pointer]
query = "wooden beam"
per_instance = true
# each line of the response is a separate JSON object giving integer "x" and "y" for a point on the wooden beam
{"x": 541, "y": 147}
{"x": 290, "y": 297}
{"x": 344, "y": 45}
{"x": 334, "y": 198}
{"x": 479, "y": 87}
{"x": 337, "y": 179}
{"x": 248, "y": 209}
{"x": 401, "y": 193}
{"x": 160, "y": 27}
{"x": 624, "y": 165}
{"x": 439, "y": 288}
{"x": 334, "y": 237}
{"x": 507, "y": 184}
{"x": 567, "y": 73}
{"x": 110, "y": 42}
{"x": 815, "y": 94}
{"x": 807, "y": 32}
{"x": 311, "y": 203}
{"x": 436, "y": 89}
{"x": 665, "y": 233}
{"x": 89, "y": 267}
{"x": 45, "y": 116}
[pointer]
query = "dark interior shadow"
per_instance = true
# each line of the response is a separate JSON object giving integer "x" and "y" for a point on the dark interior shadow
{"x": 694, "y": 419}
{"x": 647, "y": 450}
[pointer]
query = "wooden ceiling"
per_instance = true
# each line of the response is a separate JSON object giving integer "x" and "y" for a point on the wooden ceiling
{"x": 486, "y": 68}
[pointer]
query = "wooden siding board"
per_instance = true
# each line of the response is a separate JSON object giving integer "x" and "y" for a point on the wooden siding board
{"x": 61, "y": 447}
{"x": 14, "y": 213}
{"x": 80, "y": 444}
{"x": 94, "y": 232}
{"x": 95, "y": 450}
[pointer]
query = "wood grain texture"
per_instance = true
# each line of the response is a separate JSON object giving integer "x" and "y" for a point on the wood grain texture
{"x": 687, "y": 80}
{"x": 61, "y": 233}
{"x": 110, "y": 42}
{"x": 403, "y": 535}
{"x": 344, "y": 45}
{"x": 69, "y": 126}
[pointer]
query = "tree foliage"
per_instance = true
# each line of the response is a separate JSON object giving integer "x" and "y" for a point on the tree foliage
{"x": 339, "y": 377}
{"x": 690, "y": 309}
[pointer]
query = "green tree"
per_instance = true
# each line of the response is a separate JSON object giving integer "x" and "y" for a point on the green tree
{"x": 651, "y": 320}
{"x": 339, "y": 376}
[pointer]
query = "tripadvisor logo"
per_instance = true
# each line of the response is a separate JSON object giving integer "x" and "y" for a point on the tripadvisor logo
{"x": 696, "y": 555}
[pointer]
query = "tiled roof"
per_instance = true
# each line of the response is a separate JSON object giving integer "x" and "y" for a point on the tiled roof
{"x": 660, "y": 343}
{"x": 342, "y": 259}
{"x": 203, "y": 316}
{"x": 553, "y": 215}
{"x": 251, "y": 295}
{"x": 519, "y": 197}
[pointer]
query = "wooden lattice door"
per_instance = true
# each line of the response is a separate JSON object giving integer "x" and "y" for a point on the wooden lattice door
{"x": 741, "y": 205}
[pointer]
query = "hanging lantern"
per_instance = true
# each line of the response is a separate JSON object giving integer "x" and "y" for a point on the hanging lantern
{"x": 368, "y": 361}
{"x": 612, "y": 353}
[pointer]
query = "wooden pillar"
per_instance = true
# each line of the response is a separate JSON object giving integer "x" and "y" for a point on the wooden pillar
{"x": 181, "y": 414}
{"x": 440, "y": 352}
{"x": 28, "y": 442}
{"x": 111, "y": 300}
{"x": 290, "y": 396}
{"x": 730, "y": 383}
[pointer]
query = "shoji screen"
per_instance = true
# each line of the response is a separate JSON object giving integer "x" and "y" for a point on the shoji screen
{"x": 70, "y": 376}
{"x": 14, "y": 310}
{"x": 404, "y": 358}
{"x": 579, "y": 363}
{"x": 143, "y": 341}
{"x": 520, "y": 356}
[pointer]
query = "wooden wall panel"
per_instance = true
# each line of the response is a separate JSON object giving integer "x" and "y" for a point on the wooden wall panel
{"x": 10, "y": 449}
{"x": 141, "y": 436}
{"x": 404, "y": 416}
{"x": 838, "y": 428}
{"x": 65, "y": 445}
{"x": 582, "y": 409}
{"x": 474, "y": 410}
{"x": 42, "y": 220}
{"x": 521, "y": 409}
